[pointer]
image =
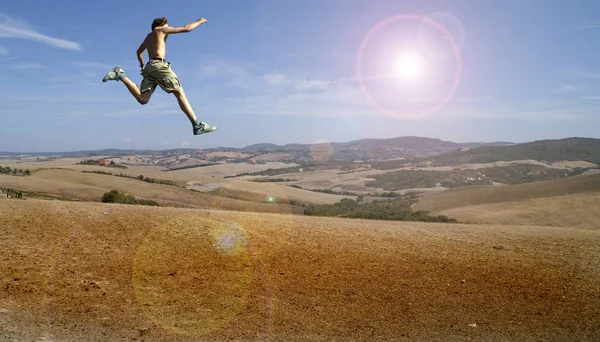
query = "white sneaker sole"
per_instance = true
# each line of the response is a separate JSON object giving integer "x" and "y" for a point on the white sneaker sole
{"x": 204, "y": 132}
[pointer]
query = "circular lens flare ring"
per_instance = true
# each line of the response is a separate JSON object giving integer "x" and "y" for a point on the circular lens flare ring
{"x": 444, "y": 32}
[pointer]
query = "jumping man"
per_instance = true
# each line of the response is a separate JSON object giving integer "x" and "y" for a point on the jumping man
{"x": 158, "y": 71}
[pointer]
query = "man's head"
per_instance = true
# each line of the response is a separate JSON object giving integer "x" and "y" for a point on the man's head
{"x": 159, "y": 22}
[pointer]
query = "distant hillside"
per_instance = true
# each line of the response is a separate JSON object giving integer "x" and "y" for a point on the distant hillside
{"x": 481, "y": 144}
{"x": 368, "y": 150}
{"x": 377, "y": 151}
{"x": 365, "y": 149}
{"x": 91, "y": 153}
{"x": 405, "y": 142}
{"x": 262, "y": 146}
{"x": 586, "y": 149}
{"x": 381, "y": 149}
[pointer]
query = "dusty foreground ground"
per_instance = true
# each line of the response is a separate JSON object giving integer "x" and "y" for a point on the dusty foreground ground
{"x": 96, "y": 272}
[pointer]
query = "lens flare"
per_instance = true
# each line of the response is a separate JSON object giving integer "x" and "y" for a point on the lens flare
{"x": 229, "y": 240}
{"x": 434, "y": 43}
{"x": 196, "y": 287}
{"x": 321, "y": 151}
{"x": 409, "y": 66}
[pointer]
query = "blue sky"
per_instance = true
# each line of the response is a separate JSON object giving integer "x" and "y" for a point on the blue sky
{"x": 287, "y": 71}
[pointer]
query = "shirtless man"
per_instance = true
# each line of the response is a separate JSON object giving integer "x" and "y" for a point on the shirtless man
{"x": 158, "y": 71}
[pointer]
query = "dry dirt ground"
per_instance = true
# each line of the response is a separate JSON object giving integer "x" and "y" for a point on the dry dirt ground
{"x": 100, "y": 272}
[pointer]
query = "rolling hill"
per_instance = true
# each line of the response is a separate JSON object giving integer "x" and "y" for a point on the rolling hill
{"x": 586, "y": 149}
{"x": 566, "y": 202}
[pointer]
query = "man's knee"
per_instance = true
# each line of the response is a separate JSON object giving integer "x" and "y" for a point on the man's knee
{"x": 144, "y": 98}
{"x": 178, "y": 93}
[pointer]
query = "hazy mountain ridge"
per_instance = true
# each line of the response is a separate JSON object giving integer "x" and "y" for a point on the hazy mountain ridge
{"x": 411, "y": 148}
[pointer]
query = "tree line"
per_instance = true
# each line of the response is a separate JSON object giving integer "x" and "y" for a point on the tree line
{"x": 393, "y": 210}
{"x": 15, "y": 172}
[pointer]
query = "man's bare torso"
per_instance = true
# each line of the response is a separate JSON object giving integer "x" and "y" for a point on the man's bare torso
{"x": 156, "y": 42}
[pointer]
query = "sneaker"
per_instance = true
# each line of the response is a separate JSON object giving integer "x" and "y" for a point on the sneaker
{"x": 202, "y": 128}
{"x": 115, "y": 74}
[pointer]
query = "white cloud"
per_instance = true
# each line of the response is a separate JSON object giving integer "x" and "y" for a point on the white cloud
{"x": 339, "y": 100}
{"x": 291, "y": 55}
{"x": 342, "y": 55}
{"x": 521, "y": 111}
{"x": 228, "y": 73}
{"x": 591, "y": 97}
{"x": 591, "y": 75}
{"x": 592, "y": 25}
{"x": 276, "y": 79}
{"x": 78, "y": 78}
{"x": 222, "y": 68}
{"x": 165, "y": 143}
{"x": 92, "y": 65}
{"x": 62, "y": 99}
{"x": 312, "y": 84}
{"x": 184, "y": 143}
{"x": 27, "y": 66}
{"x": 569, "y": 88}
{"x": 128, "y": 140}
{"x": 8, "y": 59}
{"x": 15, "y": 28}
{"x": 4, "y": 51}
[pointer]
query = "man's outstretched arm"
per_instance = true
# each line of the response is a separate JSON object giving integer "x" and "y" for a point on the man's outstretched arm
{"x": 187, "y": 28}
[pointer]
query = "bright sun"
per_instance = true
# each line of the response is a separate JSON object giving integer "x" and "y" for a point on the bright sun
{"x": 410, "y": 66}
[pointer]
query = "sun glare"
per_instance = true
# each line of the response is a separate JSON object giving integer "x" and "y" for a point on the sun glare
{"x": 410, "y": 66}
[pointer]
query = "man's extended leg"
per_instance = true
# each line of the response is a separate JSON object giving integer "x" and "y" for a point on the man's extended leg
{"x": 199, "y": 126}
{"x": 118, "y": 74}
{"x": 185, "y": 105}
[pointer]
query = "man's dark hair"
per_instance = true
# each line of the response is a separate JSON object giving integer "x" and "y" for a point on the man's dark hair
{"x": 159, "y": 22}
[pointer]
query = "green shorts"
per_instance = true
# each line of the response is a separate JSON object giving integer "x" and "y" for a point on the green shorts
{"x": 159, "y": 73}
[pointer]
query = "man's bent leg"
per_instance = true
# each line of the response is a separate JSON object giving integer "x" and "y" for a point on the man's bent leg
{"x": 118, "y": 74}
{"x": 141, "y": 97}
